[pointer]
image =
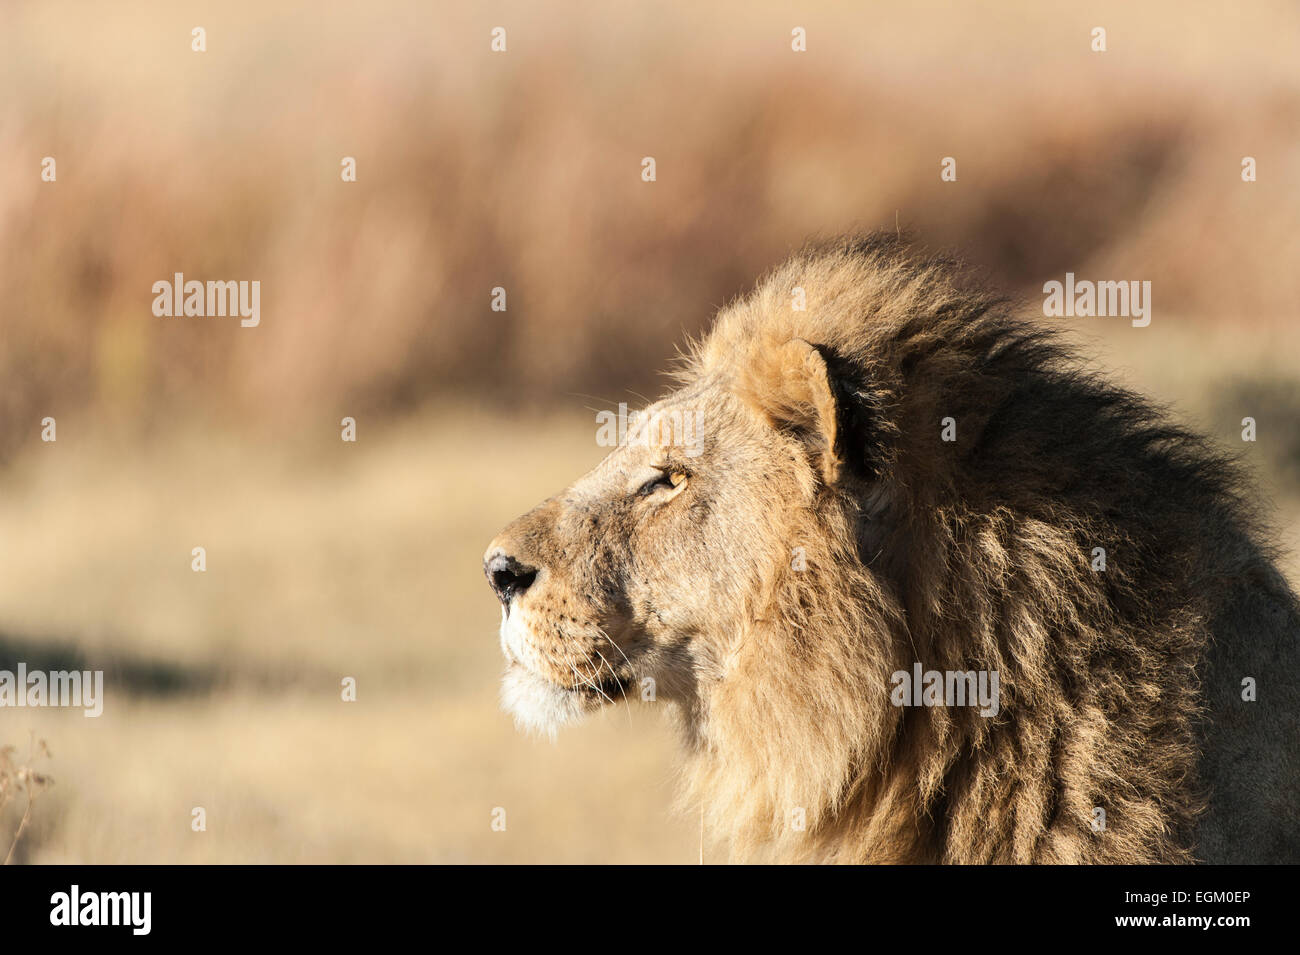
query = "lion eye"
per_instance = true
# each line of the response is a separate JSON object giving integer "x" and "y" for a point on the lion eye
{"x": 666, "y": 479}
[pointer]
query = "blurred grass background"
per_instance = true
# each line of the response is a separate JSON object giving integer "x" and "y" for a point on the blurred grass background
{"x": 519, "y": 170}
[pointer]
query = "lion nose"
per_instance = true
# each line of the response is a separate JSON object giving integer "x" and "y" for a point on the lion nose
{"x": 508, "y": 577}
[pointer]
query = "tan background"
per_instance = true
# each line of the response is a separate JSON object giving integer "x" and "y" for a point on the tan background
{"x": 522, "y": 170}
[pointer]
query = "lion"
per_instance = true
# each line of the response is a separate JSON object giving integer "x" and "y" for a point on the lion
{"x": 897, "y": 482}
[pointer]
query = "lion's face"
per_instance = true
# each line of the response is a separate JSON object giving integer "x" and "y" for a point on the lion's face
{"x": 615, "y": 587}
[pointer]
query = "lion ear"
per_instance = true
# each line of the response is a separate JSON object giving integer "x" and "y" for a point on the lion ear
{"x": 791, "y": 387}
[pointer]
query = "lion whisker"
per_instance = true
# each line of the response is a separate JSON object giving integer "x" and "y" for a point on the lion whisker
{"x": 614, "y": 674}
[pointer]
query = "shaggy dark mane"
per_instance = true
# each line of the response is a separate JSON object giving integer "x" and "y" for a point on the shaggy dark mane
{"x": 988, "y": 557}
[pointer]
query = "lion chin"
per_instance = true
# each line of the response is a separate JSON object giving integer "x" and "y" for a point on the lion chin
{"x": 540, "y": 706}
{"x": 537, "y": 705}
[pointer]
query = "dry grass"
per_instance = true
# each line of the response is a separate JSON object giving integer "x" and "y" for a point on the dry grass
{"x": 21, "y": 784}
{"x": 403, "y": 777}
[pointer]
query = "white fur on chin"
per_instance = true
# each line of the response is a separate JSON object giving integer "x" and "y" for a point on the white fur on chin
{"x": 538, "y": 705}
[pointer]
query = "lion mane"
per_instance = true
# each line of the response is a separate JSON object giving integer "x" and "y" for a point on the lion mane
{"x": 1122, "y": 735}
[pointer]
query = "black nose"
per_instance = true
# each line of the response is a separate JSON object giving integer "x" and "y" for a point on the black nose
{"x": 508, "y": 577}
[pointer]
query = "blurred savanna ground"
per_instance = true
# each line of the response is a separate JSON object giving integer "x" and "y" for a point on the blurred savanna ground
{"x": 521, "y": 170}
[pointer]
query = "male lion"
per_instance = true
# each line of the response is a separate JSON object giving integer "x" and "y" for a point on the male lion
{"x": 901, "y": 478}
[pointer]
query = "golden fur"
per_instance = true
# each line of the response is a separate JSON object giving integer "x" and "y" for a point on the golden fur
{"x": 823, "y": 536}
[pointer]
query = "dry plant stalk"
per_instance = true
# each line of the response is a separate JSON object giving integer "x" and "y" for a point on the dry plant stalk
{"x": 20, "y": 777}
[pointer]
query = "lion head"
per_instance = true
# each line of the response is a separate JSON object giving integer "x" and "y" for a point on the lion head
{"x": 869, "y": 470}
{"x": 630, "y": 580}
